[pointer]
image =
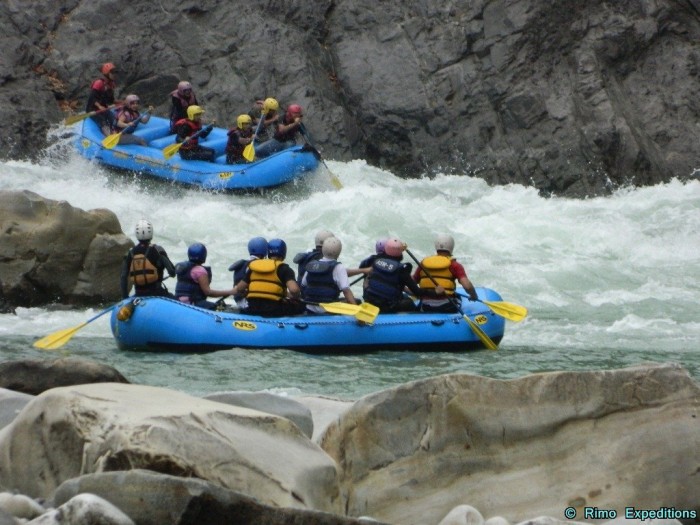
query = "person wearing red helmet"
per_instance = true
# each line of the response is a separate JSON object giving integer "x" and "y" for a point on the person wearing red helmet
{"x": 387, "y": 279}
{"x": 180, "y": 99}
{"x": 102, "y": 97}
{"x": 287, "y": 129}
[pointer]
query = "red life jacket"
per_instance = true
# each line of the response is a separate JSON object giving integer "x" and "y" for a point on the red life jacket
{"x": 194, "y": 128}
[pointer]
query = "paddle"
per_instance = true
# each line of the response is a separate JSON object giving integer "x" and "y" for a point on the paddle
{"x": 334, "y": 180}
{"x": 249, "y": 150}
{"x": 72, "y": 119}
{"x": 364, "y": 312}
{"x": 58, "y": 339}
{"x": 485, "y": 339}
{"x": 113, "y": 139}
{"x": 511, "y": 311}
{"x": 171, "y": 150}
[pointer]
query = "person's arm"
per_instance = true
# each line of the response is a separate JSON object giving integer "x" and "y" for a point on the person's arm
{"x": 145, "y": 118}
{"x": 285, "y": 128}
{"x": 203, "y": 281}
{"x": 183, "y": 131}
{"x": 293, "y": 290}
{"x": 167, "y": 263}
{"x": 349, "y": 296}
{"x": 124, "y": 277}
{"x": 469, "y": 288}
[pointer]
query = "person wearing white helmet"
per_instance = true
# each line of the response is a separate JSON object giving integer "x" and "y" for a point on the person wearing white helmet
{"x": 304, "y": 258}
{"x": 144, "y": 265}
{"x": 180, "y": 99}
{"x": 387, "y": 279}
{"x": 128, "y": 118}
{"x": 446, "y": 271}
{"x": 326, "y": 278}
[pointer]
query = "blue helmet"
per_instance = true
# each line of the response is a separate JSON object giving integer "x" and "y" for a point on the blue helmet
{"x": 277, "y": 248}
{"x": 258, "y": 246}
{"x": 197, "y": 253}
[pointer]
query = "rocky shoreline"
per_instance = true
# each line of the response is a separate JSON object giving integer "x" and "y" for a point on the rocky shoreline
{"x": 447, "y": 450}
{"x": 573, "y": 98}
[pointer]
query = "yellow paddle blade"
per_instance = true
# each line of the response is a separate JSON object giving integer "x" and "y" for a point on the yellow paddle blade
{"x": 512, "y": 312}
{"x": 485, "y": 339}
{"x": 335, "y": 181}
{"x": 340, "y": 308}
{"x": 368, "y": 313}
{"x": 72, "y": 119}
{"x": 249, "y": 152}
{"x": 111, "y": 141}
{"x": 171, "y": 150}
{"x": 57, "y": 339}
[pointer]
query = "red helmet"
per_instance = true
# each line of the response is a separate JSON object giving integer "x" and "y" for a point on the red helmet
{"x": 107, "y": 68}
{"x": 393, "y": 247}
{"x": 294, "y": 109}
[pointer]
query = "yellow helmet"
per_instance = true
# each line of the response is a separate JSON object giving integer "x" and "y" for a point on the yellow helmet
{"x": 243, "y": 119}
{"x": 193, "y": 112}
{"x": 270, "y": 104}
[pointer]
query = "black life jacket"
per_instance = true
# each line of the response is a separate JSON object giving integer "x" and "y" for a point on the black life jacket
{"x": 186, "y": 286}
{"x": 320, "y": 286}
{"x": 384, "y": 281}
{"x": 304, "y": 258}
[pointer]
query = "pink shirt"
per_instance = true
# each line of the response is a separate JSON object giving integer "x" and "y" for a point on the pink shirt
{"x": 195, "y": 273}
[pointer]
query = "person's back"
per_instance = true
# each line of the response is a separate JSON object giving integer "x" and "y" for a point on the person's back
{"x": 257, "y": 249}
{"x": 194, "y": 279}
{"x": 387, "y": 279}
{"x": 144, "y": 265}
{"x": 304, "y": 258}
{"x": 269, "y": 282}
{"x": 326, "y": 278}
{"x": 443, "y": 270}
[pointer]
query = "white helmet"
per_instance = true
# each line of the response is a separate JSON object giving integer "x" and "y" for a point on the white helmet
{"x": 444, "y": 242}
{"x": 322, "y": 236}
{"x": 332, "y": 247}
{"x": 144, "y": 230}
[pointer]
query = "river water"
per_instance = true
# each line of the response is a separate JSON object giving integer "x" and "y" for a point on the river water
{"x": 609, "y": 282}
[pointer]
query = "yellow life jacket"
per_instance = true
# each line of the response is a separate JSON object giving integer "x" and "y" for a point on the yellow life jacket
{"x": 264, "y": 282}
{"x": 142, "y": 272}
{"x": 439, "y": 268}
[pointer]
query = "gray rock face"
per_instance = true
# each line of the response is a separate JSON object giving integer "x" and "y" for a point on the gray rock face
{"x": 574, "y": 98}
{"x": 51, "y": 251}
{"x": 523, "y": 447}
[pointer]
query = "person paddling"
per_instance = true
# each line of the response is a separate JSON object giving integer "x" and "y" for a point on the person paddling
{"x": 102, "y": 97}
{"x": 144, "y": 265}
{"x": 192, "y": 127}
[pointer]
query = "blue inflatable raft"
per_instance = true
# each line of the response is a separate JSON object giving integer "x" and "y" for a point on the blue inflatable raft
{"x": 166, "y": 325}
{"x": 275, "y": 170}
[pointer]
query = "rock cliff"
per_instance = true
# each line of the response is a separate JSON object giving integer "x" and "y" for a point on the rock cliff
{"x": 574, "y": 98}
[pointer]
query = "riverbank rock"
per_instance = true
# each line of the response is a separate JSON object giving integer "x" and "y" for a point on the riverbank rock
{"x": 34, "y": 376}
{"x": 53, "y": 252}
{"x": 523, "y": 447}
{"x": 66, "y": 432}
{"x": 575, "y": 98}
{"x": 151, "y": 498}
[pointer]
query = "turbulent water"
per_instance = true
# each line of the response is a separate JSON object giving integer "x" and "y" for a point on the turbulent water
{"x": 609, "y": 282}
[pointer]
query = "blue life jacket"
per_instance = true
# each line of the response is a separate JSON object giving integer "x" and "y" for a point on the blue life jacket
{"x": 186, "y": 286}
{"x": 239, "y": 269}
{"x": 385, "y": 282}
{"x": 302, "y": 259}
{"x": 320, "y": 286}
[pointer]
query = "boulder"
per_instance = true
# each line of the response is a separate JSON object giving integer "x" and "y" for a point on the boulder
{"x": 270, "y": 403}
{"x": 84, "y": 509}
{"x": 34, "y": 376}
{"x": 576, "y": 98}
{"x": 53, "y": 252}
{"x": 151, "y": 498}
{"x": 69, "y": 431}
{"x": 11, "y": 403}
{"x": 522, "y": 447}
